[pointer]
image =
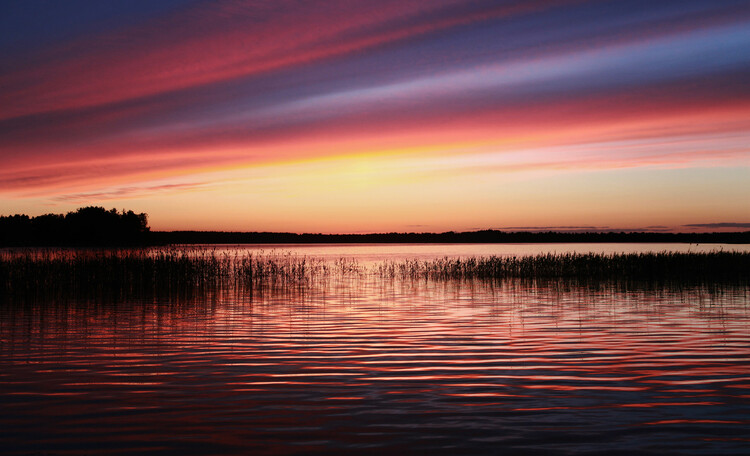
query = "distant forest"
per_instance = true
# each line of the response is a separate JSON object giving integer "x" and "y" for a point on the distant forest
{"x": 87, "y": 226}
{"x": 96, "y": 226}
{"x": 450, "y": 237}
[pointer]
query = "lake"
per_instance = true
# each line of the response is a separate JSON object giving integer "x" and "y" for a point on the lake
{"x": 369, "y": 254}
{"x": 361, "y": 363}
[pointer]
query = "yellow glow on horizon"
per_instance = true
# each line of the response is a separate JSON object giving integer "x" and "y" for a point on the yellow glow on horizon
{"x": 461, "y": 178}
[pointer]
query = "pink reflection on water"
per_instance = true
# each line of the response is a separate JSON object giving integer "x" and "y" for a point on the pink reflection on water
{"x": 361, "y": 360}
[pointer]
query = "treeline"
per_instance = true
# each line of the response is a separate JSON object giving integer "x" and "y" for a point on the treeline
{"x": 96, "y": 226}
{"x": 87, "y": 226}
{"x": 450, "y": 237}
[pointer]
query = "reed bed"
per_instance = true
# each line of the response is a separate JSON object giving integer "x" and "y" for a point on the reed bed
{"x": 716, "y": 266}
{"x": 147, "y": 272}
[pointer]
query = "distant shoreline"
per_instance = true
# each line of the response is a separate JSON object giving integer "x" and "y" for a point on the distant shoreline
{"x": 95, "y": 226}
{"x": 167, "y": 238}
{"x": 468, "y": 237}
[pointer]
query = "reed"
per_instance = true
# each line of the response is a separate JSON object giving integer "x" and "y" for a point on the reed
{"x": 664, "y": 266}
{"x": 147, "y": 272}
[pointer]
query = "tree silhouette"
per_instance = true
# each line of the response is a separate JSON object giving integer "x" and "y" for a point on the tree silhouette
{"x": 90, "y": 225}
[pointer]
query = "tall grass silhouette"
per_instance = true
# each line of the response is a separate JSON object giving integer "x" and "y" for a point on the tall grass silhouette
{"x": 149, "y": 271}
{"x": 145, "y": 272}
{"x": 664, "y": 266}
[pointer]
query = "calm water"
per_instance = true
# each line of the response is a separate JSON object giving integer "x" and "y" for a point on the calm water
{"x": 362, "y": 364}
{"x": 373, "y": 253}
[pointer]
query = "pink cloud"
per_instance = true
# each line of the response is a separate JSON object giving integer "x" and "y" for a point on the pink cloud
{"x": 219, "y": 42}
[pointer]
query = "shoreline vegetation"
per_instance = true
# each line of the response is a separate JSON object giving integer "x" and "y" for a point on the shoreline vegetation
{"x": 87, "y": 226}
{"x": 95, "y": 226}
{"x": 116, "y": 253}
{"x": 166, "y": 271}
{"x": 450, "y": 237}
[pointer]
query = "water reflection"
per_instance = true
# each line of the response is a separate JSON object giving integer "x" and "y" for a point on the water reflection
{"x": 360, "y": 363}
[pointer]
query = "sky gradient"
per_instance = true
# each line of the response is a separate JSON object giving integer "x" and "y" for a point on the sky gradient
{"x": 361, "y": 116}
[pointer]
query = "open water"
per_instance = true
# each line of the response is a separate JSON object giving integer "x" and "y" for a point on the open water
{"x": 363, "y": 364}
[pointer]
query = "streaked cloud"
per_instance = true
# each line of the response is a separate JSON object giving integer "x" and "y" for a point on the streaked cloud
{"x": 122, "y": 100}
{"x": 718, "y": 225}
{"x": 589, "y": 229}
{"x": 123, "y": 192}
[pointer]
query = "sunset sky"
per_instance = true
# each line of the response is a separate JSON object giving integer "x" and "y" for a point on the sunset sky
{"x": 388, "y": 115}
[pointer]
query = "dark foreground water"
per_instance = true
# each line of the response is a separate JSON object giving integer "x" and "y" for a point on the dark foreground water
{"x": 362, "y": 364}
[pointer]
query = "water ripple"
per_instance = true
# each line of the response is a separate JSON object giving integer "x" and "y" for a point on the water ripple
{"x": 365, "y": 365}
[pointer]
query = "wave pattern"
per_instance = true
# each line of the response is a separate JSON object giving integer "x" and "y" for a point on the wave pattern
{"x": 366, "y": 364}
